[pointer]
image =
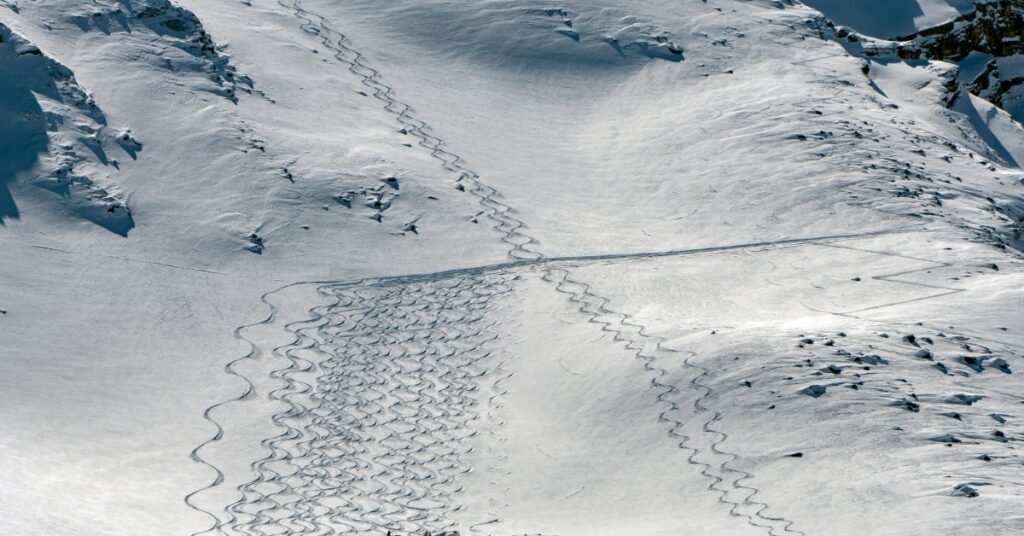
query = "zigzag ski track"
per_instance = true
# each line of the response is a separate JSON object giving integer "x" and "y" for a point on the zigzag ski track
{"x": 378, "y": 389}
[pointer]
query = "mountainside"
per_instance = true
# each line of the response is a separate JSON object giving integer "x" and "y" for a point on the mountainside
{"x": 318, "y": 267}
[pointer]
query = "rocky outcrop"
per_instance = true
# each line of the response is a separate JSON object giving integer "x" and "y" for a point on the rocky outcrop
{"x": 169, "y": 24}
{"x": 54, "y": 135}
{"x": 1002, "y": 84}
{"x": 993, "y": 30}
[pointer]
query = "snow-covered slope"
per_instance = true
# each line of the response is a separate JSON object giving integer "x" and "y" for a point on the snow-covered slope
{"x": 590, "y": 267}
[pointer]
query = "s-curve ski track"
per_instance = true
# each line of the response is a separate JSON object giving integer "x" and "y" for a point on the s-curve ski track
{"x": 377, "y": 401}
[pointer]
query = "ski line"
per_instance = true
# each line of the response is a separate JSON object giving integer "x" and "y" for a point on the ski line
{"x": 522, "y": 258}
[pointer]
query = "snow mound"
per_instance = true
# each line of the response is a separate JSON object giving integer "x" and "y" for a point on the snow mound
{"x": 646, "y": 38}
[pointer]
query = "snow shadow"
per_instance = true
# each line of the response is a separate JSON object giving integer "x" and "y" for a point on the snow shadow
{"x": 981, "y": 126}
{"x": 23, "y": 136}
{"x": 877, "y": 18}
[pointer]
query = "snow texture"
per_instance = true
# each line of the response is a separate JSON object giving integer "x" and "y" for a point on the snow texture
{"x": 720, "y": 267}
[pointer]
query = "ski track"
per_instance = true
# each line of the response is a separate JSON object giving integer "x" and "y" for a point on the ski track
{"x": 279, "y": 498}
{"x": 249, "y": 391}
{"x": 378, "y": 391}
{"x": 511, "y": 228}
{"x": 373, "y": 435}
{"x": 726, "y": 481}
{"x": 892, "y": 278}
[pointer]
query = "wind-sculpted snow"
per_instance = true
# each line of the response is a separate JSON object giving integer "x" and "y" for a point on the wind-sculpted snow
{"x": 962, "y": 169}
{"x": 173, "y": 38}
{"x": 54, "y": 135}
{"x": 705, "y": 446}
{"x": 939, "y": 391}
{"x": 646, "y": 37}
{"x": 539, "y": 35}
{"x": 501, "y": 215}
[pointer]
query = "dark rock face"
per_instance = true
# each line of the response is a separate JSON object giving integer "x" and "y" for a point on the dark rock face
{"x": 994, "y": 28}
{"x": 996, "y": 86}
